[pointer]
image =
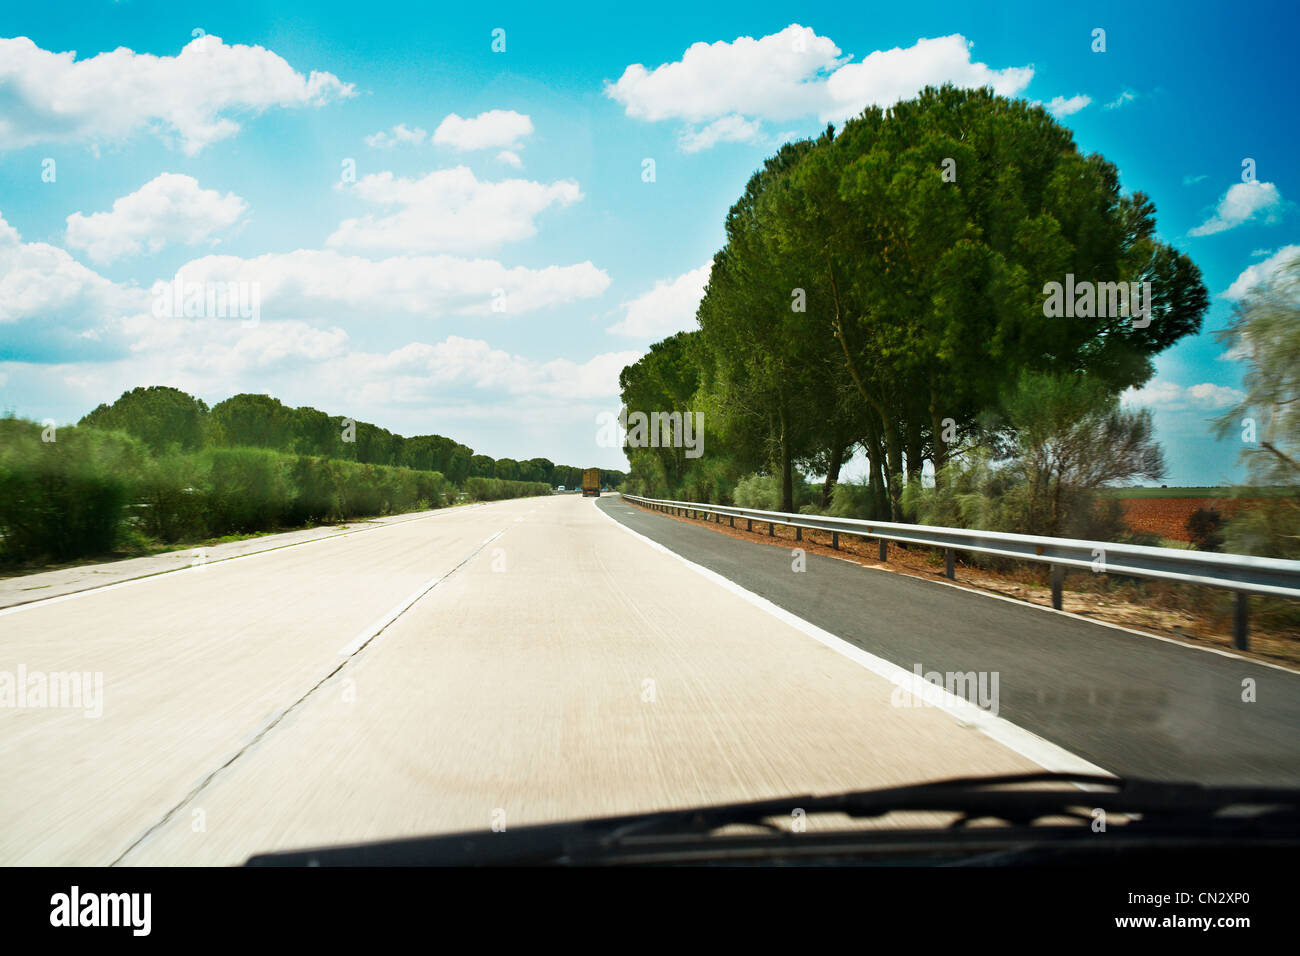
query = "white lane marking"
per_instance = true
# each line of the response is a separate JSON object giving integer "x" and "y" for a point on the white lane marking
{"x": 1073, "y": 615}
{"x": 1046, "y": 754}
{"x": 373, "y": 631}
{"x": 192, "y": 568}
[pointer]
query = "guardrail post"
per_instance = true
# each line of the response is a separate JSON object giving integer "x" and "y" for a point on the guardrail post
{"x": 771, "y": 529}
{"x": 749, "y": 524}
{"x": 949, "y": 571}
{"x": 1241, "y": 622}
{"x": 884, "y": 550}
{"x": 1058, "y": 578}
{"x": 798, "y": 534}
{"x": 835, "y": 540}
{"x": 733, "y": 520}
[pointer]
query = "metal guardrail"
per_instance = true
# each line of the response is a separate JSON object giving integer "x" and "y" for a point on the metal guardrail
{"x": 1243, "y": 574}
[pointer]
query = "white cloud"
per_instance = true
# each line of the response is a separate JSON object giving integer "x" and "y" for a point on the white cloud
{"x": 1242, "y": 203}
{"x": 326, "y": 284}
{"x": 782, "y": 76}
{"x": 1259, "y": 272}
{"x": 1128, "y": 96}
{"x": 887, "y": 76}
{"x": 397, "y": 135}
{"x": 510, "y": 158}
{"x": 667, "y": 308}
{"x": 169, "y": 208}
{"x": 53, "y": 97}
{"x": 1060, "y": 107}
{"x": 1190, "y": 180}
{"x": 1168, "y": 396}
{"x": 729, "y": 129}
{"x": 495, "y": 129}
{"x": 418, "y": 371}
{"x": 449, "y": 209}
{"x": 52, "y": 305}
{"x": 791, "y": 75}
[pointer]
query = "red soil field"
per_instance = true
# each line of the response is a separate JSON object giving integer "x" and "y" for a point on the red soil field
{"x": 1167, "y": 517}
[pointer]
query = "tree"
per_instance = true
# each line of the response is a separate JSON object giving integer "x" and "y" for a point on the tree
{"x": 1266, "y": 331}
{"x": 158, "y": 415}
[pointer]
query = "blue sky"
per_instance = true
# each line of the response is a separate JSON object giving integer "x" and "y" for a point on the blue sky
{"x": 499, "y": 256}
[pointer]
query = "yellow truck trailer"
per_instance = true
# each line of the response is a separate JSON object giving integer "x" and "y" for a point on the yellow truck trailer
{"x": 591, "y": 482}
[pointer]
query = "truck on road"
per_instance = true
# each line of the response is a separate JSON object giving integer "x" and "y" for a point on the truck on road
{"x": 591, "y": 482}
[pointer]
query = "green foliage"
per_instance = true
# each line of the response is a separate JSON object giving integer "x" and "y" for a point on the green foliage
{"x": 763, "y": 492}
{"x": 494, "y": 489}
{"x": 159, "y": 416}
{"x": 244, "y": 489}
{"x": 1205, "y": 529}
{"x": 64, "y": 498}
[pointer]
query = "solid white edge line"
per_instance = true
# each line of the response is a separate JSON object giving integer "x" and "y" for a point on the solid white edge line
{"x": 1074, "y": 615}
{"x": 1027, "y": 744}
{"x": 194, "y": 568}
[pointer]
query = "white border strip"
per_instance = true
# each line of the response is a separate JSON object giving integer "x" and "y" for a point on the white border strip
{"x": 1046, "y": 754}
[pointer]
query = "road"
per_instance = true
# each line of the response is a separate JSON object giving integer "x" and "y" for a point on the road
{"x": 518, "y": 662}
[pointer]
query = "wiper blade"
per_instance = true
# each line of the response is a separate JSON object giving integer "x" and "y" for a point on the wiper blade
{"x": 1154, "y": 804}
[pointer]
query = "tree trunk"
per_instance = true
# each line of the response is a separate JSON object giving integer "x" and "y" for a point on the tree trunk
{"x": 787, "y": 466}
{"x": 836, "y": 458}
{"x": 939, "y": 447}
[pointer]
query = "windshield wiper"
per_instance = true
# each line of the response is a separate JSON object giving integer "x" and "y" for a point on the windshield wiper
{"x": 1150, "y": 807}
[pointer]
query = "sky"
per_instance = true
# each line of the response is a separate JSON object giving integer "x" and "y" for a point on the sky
{"x": 466, "y": 220}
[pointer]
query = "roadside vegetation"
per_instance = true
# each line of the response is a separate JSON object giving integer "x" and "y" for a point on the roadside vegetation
{"x": 881, "y": 292}
{"x": 158, "y": 468}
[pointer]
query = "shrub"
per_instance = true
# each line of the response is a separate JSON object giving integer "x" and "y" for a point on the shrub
{"x": 1205, "y": 529}
{"x": 65, "y": 498}
{"x": 167, "y": 491}
{"x": 245, "y": 489}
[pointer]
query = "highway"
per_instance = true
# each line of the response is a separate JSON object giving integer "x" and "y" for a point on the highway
{"x": 551, "y": 658}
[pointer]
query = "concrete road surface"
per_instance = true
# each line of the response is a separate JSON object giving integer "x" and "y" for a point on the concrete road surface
{"x": 534, "y": 662}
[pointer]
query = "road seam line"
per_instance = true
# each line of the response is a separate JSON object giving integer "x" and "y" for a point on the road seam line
{"x": 1024, "y": 742}
{"x": 275, "y": 720}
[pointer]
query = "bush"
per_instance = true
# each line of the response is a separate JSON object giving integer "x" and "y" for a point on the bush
{"x": 65, "y": 498}
{"x": 1205, "y": 529}
{"x": 245, "y": 489}
{"x": 495, "y": 489}
{"x": 763, "y": 492}
{"x": 167, "y": 492}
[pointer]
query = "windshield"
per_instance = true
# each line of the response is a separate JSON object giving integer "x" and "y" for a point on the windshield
{"x": 456, "y": 421}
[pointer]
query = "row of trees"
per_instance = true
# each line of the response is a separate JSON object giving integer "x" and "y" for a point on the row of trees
{"x": 882, "y": 289}
{"x": 165, "y": 418}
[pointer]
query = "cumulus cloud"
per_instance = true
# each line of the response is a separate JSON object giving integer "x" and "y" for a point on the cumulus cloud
{"x": 510, "y": 158}
{"x": 794, "y": 74}
{"x": 328, "y": 284}
{"x": 1259, "y": 272}
{"x": 193, "y": 96}
{"x": 398, "y": 134}
{"x": 667, "y": 308}
{"x": 171, "y": 208}
{"x": 52, "y": 306}
{"x": 887, "y": 76}
{"x": 1243, "y": 202}
{"x": 1168, "y": 396}
{"x": 729, "y": 129}
{"x": 495, "y": 129}
{"x": 1060, "y": 107}
{"x": 449, "y": 209}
